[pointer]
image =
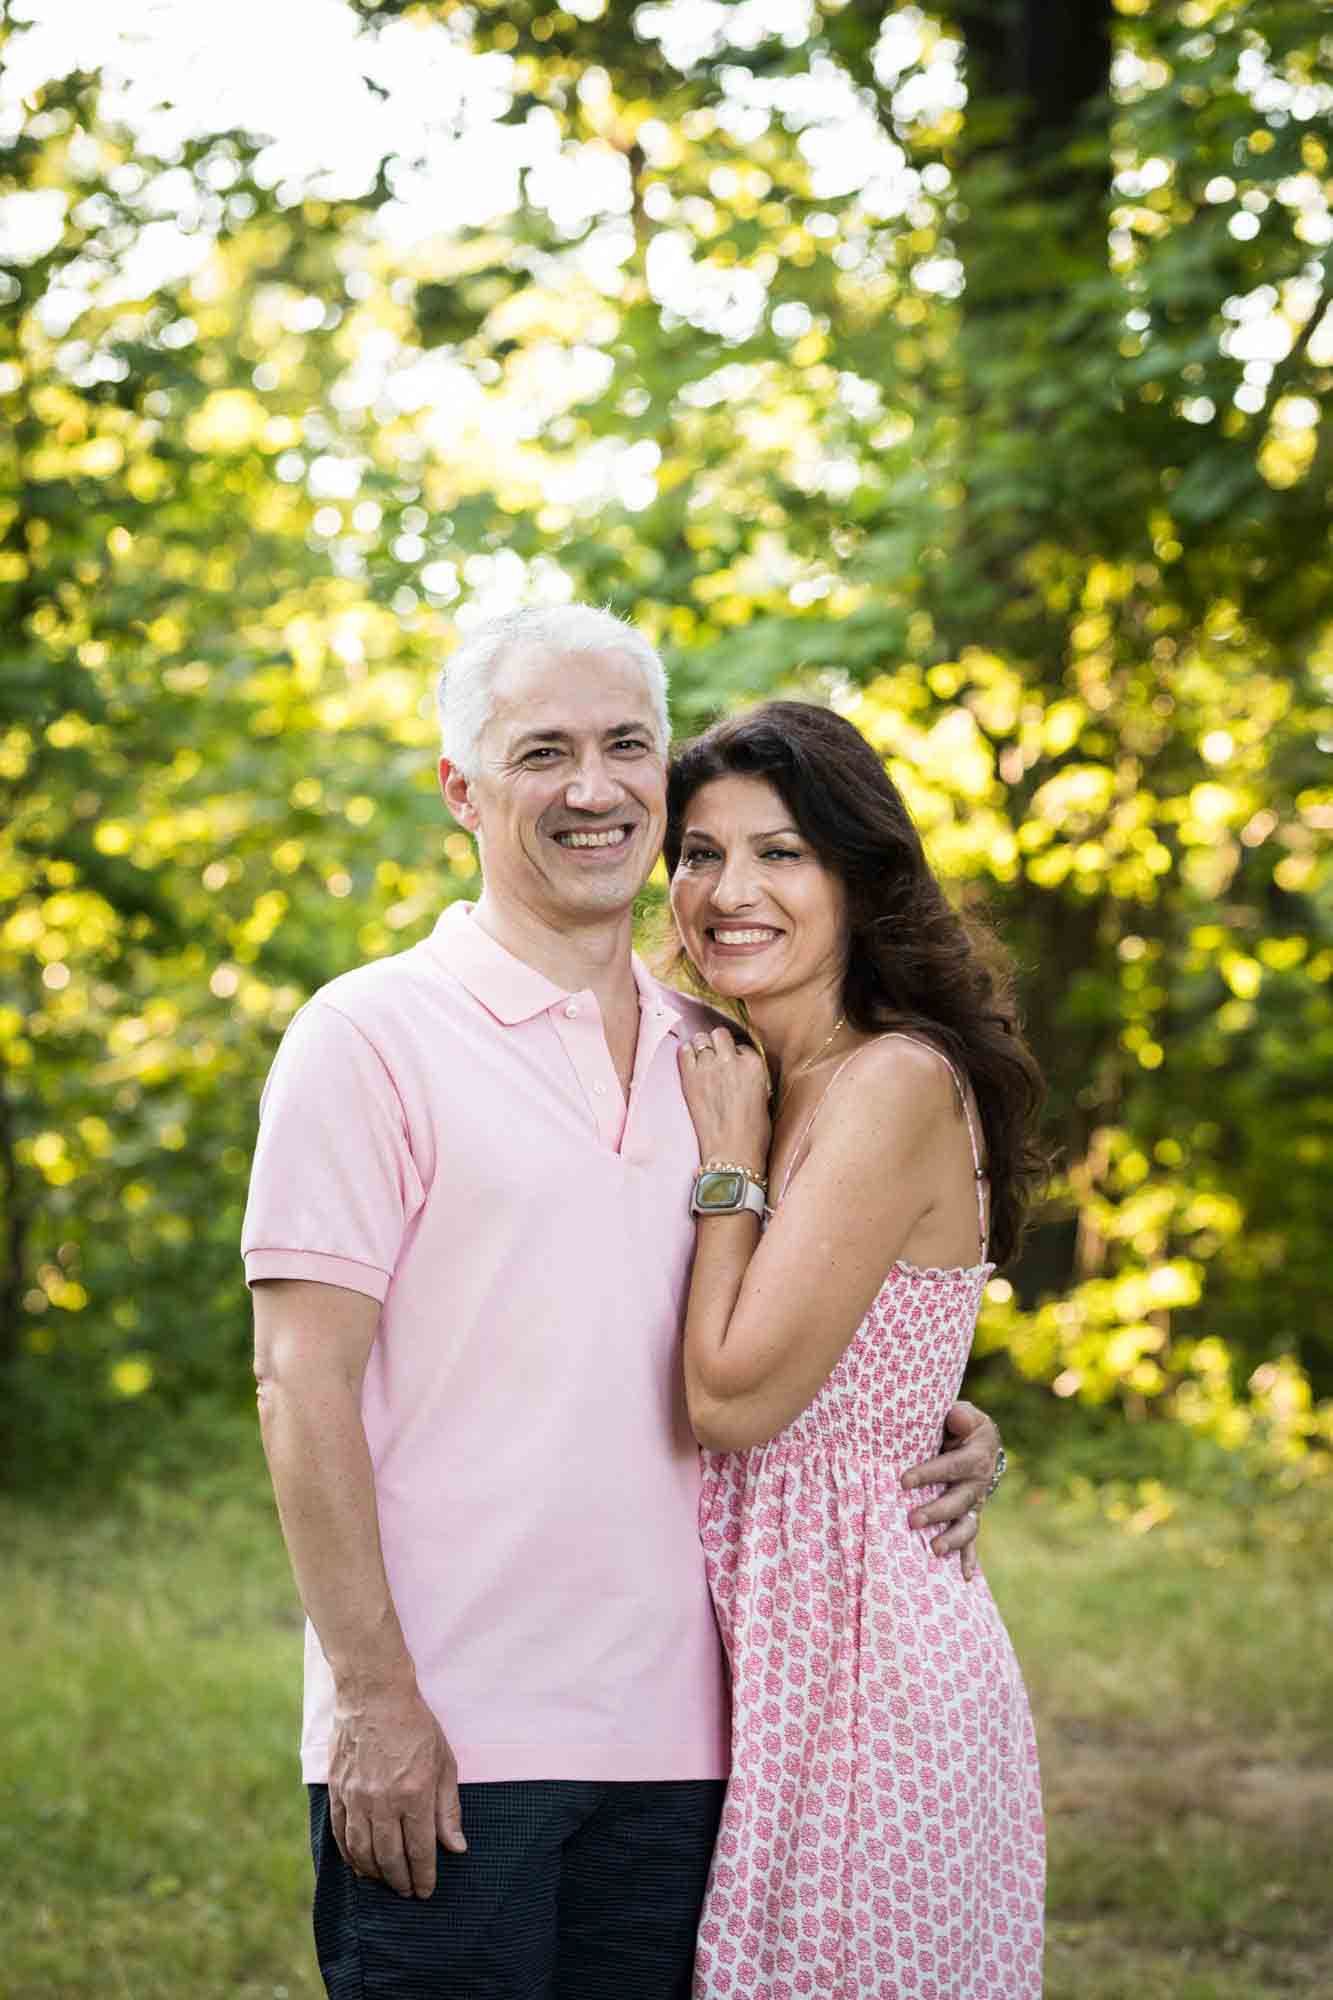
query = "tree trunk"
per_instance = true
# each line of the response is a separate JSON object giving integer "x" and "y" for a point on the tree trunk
{"x": 1052, "y": 57}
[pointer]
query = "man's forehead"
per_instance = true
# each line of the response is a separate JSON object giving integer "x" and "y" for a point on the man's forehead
{"x": 538, "y": 687}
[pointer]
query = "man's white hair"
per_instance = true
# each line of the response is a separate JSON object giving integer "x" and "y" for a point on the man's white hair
{"x": 465, "y": 692}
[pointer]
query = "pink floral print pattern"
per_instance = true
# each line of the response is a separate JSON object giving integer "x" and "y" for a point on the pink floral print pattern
{"x": 882, "y": 1837}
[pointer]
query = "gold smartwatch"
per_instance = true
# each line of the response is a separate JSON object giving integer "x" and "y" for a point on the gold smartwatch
{"x": 727, "y": 1191}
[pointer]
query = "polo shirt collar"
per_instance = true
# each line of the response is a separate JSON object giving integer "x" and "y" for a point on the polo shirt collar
{"x": 654, "y": 998}
{"x": 513, "y": 991}
{"x": 505, "y": 986}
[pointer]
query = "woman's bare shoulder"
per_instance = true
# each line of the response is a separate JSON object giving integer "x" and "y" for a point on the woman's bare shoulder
{"x": 894, "y": 1091}
{"x": 904, "y": 1067}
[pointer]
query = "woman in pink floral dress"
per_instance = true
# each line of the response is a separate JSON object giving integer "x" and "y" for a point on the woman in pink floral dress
{"x": 882, "y": 1834}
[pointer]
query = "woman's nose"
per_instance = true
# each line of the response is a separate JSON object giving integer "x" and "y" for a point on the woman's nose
{"x": 735, "y": 888}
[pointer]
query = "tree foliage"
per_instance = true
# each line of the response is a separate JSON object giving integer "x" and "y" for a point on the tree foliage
{"x": 872, "y": 357}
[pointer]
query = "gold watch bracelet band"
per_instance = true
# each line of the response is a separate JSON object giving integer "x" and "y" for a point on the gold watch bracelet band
{"x": 734, "y": 1167}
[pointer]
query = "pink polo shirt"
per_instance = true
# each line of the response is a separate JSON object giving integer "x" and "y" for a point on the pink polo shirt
{"x": 445, "y": 1131}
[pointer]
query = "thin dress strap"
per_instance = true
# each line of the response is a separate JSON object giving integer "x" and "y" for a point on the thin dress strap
{"x": 896, "y": 1035}
{"x": 800, "y": 1143}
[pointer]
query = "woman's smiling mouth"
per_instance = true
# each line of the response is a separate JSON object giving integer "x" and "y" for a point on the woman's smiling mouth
{"x": 733, "y": 937}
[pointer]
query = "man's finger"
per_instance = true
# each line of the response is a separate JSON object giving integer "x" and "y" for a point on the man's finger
{"x": 969, "y": 1480}
{"x": 419, "y": 1847}
{"x": 969, "y": 1461}
{"x": 449, "y": 1816}
{"x": 390, "y": 1857}
{"x": 960, "y": 1534}
{"x": 358, "y": 1848}
{"x": 338, "y": 1823}
{"x": 948, "y": 1506}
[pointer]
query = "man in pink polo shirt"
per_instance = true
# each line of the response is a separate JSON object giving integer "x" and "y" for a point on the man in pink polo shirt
{"x": 468, "y": 1238}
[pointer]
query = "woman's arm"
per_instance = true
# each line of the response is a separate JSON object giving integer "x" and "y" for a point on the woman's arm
{"x": 767, "y": 1320}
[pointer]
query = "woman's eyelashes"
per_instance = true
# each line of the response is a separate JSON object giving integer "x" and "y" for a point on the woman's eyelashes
{"x": 704, "y": 857}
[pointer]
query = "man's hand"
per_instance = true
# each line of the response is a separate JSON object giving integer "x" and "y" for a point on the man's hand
{"x": 965, "y": 1468}
{"x": 393, "y": 1788}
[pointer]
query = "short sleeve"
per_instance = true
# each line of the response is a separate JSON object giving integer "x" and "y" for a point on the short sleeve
{"x": 334, "y": 1185}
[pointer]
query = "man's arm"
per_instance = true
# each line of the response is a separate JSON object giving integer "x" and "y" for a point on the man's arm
{"x": 393, "y": 1781}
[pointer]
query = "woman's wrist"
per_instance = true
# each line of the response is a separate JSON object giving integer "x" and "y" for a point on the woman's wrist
{"x": 717, "y": 1163}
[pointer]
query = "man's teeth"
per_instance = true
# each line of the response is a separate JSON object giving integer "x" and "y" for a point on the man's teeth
{"x": 611, "y": 837}
{"x": 743, "y": 937}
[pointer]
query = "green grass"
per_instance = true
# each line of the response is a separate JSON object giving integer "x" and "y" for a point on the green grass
{"x": 151, "y": 1817}
{"x": 1183, "y": 1686}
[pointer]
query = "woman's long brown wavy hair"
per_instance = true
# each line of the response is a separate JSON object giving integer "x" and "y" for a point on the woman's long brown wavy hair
{"x": 912, "y": 960}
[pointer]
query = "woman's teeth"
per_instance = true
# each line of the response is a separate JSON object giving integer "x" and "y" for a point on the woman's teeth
{"x": 743, "y": 937}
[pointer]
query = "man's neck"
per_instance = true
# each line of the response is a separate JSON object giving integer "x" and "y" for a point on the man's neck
{"x": 593, "y": 956}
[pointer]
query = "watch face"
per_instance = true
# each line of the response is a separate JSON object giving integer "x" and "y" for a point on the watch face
{"x": 719, "y": 1190}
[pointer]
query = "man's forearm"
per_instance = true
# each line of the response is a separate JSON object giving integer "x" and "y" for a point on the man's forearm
{"x": 320, "y": 1465}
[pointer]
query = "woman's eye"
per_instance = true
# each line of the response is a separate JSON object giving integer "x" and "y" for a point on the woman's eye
{"x": 782, "y": 854}
{"x": 695, "y": 857}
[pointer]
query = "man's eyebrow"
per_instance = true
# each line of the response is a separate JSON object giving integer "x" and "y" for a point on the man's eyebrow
{"x": 551, "y": 735}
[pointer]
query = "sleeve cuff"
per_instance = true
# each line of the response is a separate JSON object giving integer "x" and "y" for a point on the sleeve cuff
{"x": 318, "y": 1269}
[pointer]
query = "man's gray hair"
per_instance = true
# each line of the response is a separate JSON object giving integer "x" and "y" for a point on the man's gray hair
{"x": 466, "y": 680}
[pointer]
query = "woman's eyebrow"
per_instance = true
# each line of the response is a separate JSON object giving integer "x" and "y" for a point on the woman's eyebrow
{"x": 702, "y": 833}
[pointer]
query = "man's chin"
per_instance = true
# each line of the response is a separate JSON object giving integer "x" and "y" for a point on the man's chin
{"x": 612, "y": 891}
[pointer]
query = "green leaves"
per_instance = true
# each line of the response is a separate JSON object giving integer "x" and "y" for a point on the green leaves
{"x": 1006, "y": 432}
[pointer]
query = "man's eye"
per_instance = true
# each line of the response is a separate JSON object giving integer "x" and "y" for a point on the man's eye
{"x": 540, "y": 755}
{"x": 635, "y": 743}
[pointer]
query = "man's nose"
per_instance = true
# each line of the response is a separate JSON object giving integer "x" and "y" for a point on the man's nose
{"x": 594, "y": 787}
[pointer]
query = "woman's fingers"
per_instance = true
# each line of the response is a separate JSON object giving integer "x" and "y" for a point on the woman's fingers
{"x": 726, "y": 1091}
{"x": 713, "y": 1042}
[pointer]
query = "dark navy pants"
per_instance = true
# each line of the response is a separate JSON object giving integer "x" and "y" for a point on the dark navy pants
{"x": 568, "y": 1891}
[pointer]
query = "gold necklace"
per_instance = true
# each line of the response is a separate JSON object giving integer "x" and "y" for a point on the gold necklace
{"x": 786, "y": 1082}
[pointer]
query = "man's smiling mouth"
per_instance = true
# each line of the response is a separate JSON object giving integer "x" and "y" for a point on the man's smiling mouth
{"x": 607, "y": 836}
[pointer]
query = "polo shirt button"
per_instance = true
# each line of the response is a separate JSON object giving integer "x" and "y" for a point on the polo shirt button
{"x": 571, "y": 1011}
{"x": 600, "y": 1089}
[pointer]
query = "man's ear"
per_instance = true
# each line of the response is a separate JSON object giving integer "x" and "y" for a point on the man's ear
{"x": 458, "y": 796}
